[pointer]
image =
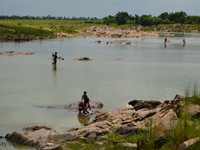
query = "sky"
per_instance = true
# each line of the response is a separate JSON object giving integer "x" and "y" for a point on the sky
{"x": 96, "y": 8}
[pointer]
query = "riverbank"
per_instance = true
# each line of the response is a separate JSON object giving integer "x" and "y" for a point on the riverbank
{"x": 148, "y": 123}
{"x": 94, "y": 31}
{"x": 27, "y": 30}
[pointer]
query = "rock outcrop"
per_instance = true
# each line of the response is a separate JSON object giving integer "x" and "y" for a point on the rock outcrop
{"x": 124, "y": 121}
{"x": 105, "y": 31}
{"x": 37, "y": 136}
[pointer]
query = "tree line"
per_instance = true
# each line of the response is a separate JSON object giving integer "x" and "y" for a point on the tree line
{"x": 48, "y": 17}
{"x": 122, "y": 18}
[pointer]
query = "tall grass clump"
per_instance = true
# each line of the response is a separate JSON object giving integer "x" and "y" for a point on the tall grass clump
{"x": 192, "y": 95}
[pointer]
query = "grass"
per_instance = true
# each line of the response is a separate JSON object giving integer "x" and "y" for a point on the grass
{"x": 192, "y": 96}
{"x": 110, "y": 144}
{"x": 41, "y": 27}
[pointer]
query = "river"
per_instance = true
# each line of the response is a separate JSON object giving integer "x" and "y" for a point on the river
{"x": 115, "y": 75}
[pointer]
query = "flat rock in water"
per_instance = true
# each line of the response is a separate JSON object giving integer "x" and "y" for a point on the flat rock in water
{"x": 93, "y": 104}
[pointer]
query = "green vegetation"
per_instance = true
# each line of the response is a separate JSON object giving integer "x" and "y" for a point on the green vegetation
{"x": 40, "y": 28}
{"x": 47, "y": 27}
{"x": 109, "y": 145}
{"x": 148, "y": 20}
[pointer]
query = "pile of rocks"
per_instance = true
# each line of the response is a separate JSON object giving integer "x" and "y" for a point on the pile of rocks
{"x": 105, "y": 31}
{"x": 124, "y": 121}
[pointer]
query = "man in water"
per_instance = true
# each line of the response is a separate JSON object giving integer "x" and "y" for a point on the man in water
{"x": 86, "y": 100}
{"x": 165, "y": 42}
{"x": 184, "y": 42}
{"x": 54, "y": 58}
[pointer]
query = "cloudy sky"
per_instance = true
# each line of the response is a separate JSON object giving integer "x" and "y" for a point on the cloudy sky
{"x": 96, "y": 8}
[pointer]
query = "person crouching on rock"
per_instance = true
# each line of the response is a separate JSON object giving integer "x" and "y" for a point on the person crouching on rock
{"x": 82, "y": 108}
{"x": 86, "y": 100}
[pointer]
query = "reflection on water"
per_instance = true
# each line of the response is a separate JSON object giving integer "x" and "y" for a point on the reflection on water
{"x": 54, "y": 67}
{"x": 6, "y": 145}
{"x": 83, "y": 119}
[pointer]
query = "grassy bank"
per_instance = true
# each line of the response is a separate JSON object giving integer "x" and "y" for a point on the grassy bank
{"x": 48, "y": 28}
{"x": 40, "y": 28}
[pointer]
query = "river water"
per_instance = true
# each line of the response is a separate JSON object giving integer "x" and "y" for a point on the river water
{"x": 117, "y": 74}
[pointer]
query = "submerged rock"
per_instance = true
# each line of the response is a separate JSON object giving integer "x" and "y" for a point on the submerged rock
{"x": 93, "y": 104}
{"x": 12, "y": 53}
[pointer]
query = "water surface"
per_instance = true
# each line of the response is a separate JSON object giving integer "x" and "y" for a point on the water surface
{"x": 117, "y": 74}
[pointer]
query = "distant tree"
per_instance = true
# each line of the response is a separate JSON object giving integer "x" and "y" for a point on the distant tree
{"x": 164, "y": 16}
{"x": 146, "y": 20}
{"x": 137, "y": 19}
{"x": 178, "y": 17}
{"x": 109, "y": 20}
{"x": 193, "y": 19}
{"x": 122, "y": 17}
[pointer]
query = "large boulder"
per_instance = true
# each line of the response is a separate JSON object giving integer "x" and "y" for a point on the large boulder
{"x": 193, "y": 110}
{"x": 141, "y": 104}
{"x": 35, "y": 135}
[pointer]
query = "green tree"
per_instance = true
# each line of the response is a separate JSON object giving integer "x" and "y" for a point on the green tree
{"x": 178, "y": 17}
{"x": 146, "y": 20}
{"x": 121, "y": 18}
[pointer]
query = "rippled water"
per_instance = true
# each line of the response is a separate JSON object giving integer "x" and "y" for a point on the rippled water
{"x": 117, "y": 74}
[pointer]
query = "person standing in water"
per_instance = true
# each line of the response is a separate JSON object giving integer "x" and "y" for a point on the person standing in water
{"x": 165, "y": 42}
{"x": 86, "y": 100}
{"x": 184, "y": 42}
{"x": 54, "y": 58}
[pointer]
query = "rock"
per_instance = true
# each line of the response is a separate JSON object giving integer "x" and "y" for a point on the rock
{"x": 81, "y": 59}
{"x": 188, "y": 143}
{"x": 140, "y": 104}
{"x": 12, "y": 53}
{"x": 178, "y": 97}
{"x": 36, "y": 136}
{"x": 102, "y": 138}
{"x": 193, "y": 110}
{"x": 141, "y": 115}
{"x": 64, "y": 137}
{"x": 93, "y": 104}
{"x": 127, "y": 146}
{"x": 101, "y": 117}
{"x": 105, "y": 31}
{"x": 124, "y": 129}
{"x": 91, "y": 137}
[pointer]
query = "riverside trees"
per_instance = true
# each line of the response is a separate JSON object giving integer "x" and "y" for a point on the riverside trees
{"x": 122, "y": 18}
